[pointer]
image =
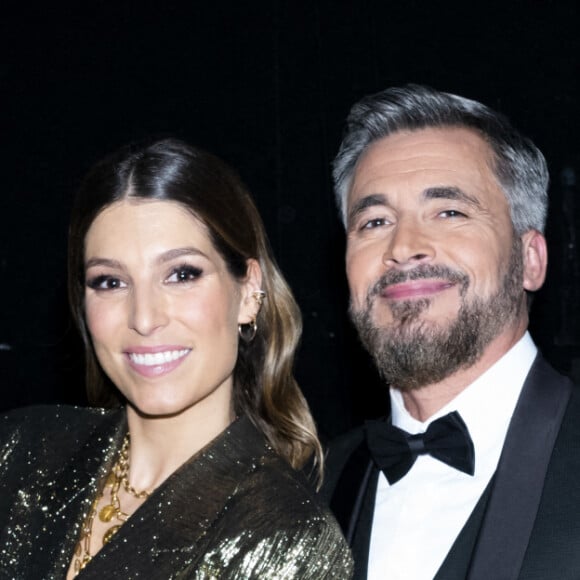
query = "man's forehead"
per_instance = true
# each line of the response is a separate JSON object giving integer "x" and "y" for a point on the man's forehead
{"x": 444, "y": 155}
{"x": 432, "y": 142}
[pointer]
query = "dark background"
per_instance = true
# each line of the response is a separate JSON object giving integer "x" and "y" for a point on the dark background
{"x": 267, "y": 86}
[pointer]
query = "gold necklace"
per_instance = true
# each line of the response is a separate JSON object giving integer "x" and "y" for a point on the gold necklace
{"x": 118, "y": 476}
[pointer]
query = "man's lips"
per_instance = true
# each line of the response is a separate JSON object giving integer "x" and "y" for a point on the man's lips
{"x": 415, "y": 289}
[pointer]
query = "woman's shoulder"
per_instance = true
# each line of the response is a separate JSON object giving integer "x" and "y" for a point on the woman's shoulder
{"x": 276, "y": 527}
{"x": 43, "y": 438}
{"x": 57, "y": 411}
{"x": 270, "y": 485}
{"x": 288, "y": 486}
{"x": 52, "y": 420}
{"x": 281, "y": 507}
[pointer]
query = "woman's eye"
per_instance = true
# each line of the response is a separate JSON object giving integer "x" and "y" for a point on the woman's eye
{"x": 184, "y": 274}
{"x": 105, "y": 283}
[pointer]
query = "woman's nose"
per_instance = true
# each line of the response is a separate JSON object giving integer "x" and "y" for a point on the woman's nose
{"x": 148, "y": 311}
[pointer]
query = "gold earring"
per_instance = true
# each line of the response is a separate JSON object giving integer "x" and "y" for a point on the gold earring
{"x": 248, "y": 331}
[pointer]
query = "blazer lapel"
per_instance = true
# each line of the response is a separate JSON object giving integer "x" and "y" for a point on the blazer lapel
{"x": 172, "y": 529}
{"x": 347, "y": 496}
{"x": 519, "y": 478}
{"x": 353, "y": 505}
{"x": 362, "y": 528}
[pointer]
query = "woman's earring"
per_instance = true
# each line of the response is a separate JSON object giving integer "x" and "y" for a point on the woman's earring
{"x": 248, "y": 331}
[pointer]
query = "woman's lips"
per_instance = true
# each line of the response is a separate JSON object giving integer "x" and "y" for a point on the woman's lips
{"x": 156, "y": 361}
{"x": 415, "y": 289}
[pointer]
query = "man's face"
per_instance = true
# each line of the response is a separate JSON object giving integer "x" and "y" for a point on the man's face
{"x": 434, "y": 268}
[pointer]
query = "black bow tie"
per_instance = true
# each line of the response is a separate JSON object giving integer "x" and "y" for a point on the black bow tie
{"x": 394, "y": 450}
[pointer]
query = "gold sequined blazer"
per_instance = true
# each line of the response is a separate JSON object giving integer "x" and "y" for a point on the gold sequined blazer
{"x": 236, "y": 510}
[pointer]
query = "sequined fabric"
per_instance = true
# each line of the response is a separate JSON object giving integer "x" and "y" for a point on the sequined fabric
{"x": 234, "y": 511}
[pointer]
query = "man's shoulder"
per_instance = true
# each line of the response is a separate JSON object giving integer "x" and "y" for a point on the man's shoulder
{"x": 553, "y": 382}
{"x": 569, "y": 433}
{"x": 338, "y": 453}
{"x": 557, "y": 523}
{"x": 344, "y": 445}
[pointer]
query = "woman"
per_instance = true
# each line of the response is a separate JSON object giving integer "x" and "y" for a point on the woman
{"x": 188, "y": 326}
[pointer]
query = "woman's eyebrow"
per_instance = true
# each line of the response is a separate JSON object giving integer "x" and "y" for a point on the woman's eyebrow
{"x": 178, "y": 253}
{"x": 91, "y": 262}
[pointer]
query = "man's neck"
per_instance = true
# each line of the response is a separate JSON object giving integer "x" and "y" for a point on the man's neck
{"x": 424, "y": 402}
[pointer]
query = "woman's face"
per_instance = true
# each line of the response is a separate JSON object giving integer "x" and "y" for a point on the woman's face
{"x": 162, "y": 308}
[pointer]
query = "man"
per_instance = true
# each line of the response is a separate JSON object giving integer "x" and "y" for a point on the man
{"x": 474, "y": 474}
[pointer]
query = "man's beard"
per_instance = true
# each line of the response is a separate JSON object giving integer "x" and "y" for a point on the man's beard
{"x": 410, "y": 353}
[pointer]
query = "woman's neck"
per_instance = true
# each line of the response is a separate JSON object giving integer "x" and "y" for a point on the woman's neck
{"x": 160, "y": 445}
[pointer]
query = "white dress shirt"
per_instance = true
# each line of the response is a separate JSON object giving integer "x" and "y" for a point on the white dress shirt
{"x": 417, "y": 519}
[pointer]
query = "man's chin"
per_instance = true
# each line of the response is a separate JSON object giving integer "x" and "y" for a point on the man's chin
{"x": 423, "y": 324}
{"x": 400, "y": 312}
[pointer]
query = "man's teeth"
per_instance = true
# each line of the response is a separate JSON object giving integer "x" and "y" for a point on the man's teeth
{"x": 157, "y": 358}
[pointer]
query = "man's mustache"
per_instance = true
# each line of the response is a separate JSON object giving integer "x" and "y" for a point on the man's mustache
{"x": 424, "y": 271}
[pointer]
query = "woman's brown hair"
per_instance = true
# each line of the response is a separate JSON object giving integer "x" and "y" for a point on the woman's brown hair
{"x": 264, "y": 386}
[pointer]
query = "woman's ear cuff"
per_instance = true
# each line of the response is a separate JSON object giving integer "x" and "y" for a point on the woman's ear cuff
{"x": 258, "y": 296}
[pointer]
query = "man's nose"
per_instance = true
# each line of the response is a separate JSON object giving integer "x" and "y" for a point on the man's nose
{"x": 408, "y": 244}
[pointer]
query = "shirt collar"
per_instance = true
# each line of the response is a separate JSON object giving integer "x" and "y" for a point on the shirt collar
{"x": 489, "y": 401}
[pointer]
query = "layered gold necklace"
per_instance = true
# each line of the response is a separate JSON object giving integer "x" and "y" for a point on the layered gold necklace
{"x": 112, "y": 512}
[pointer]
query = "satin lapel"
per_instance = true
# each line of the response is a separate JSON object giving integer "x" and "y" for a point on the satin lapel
{"x": 519, "y": 478}
{"x": 353, "y": 504}
{"x": 173, "y": 527}
{"x": 64, "y": 497}
{"x": 345, "y": 502}
{"x": 363, "y": 526}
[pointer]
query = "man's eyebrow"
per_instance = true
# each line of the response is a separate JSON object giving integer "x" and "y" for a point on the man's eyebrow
{"x": 365, "y": 202}
{"x": 453, "y": 193}
{"x": 442, "y": 192}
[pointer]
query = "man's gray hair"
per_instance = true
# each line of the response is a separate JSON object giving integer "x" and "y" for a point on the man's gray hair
{"x": 519, "y": 165}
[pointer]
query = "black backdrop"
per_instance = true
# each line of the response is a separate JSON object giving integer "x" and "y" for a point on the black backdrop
{"x": 265, "y": 84}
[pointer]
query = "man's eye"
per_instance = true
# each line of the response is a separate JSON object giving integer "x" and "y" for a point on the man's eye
{"x": 451, "y": 213}
{"x": 374, "y": 223}
{"x": 105, "y": 283}
{"x": 184, "y": 274}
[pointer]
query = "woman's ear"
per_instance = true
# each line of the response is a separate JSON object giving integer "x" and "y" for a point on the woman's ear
{"x": 251, "y": 293}
{"x": 535, "y": 257}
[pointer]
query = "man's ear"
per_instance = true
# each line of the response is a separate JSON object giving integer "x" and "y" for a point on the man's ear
{"x": 249, "y": 301}
{"x": 535, "y": 257}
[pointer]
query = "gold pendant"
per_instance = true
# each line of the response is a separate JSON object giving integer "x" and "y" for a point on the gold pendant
{"x": 111, "y": 479}
{"x": 107, "y": 513}
{"x": 109, "y": 534}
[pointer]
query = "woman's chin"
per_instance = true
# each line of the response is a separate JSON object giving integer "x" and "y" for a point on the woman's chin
{"x": 157, "y": 409}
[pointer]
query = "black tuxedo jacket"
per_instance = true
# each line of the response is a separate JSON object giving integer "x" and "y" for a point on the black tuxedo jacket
{"x": 526, "y": 525}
